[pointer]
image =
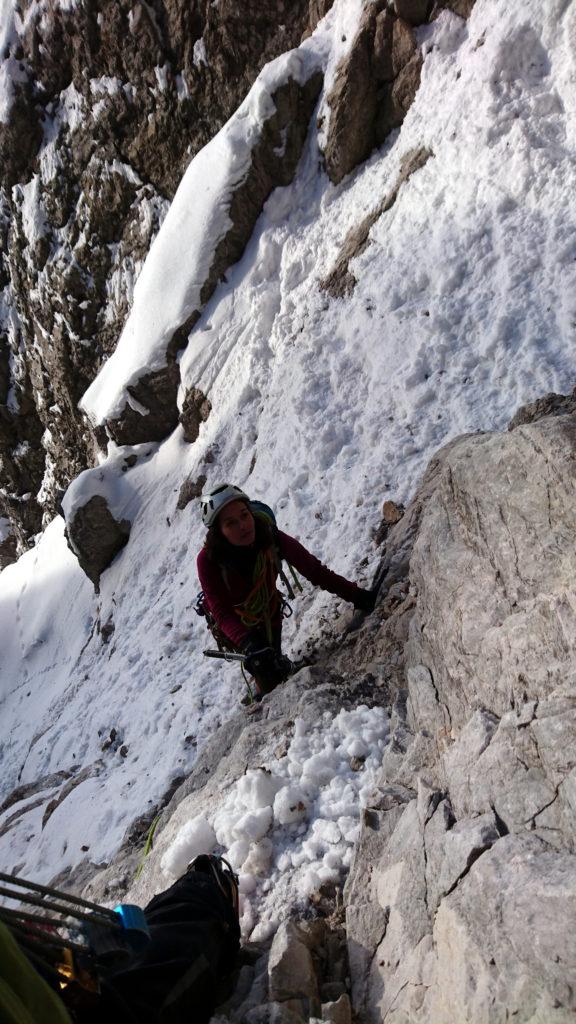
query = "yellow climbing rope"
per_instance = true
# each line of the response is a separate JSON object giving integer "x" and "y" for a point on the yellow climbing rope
{"x": 263, "y": 601}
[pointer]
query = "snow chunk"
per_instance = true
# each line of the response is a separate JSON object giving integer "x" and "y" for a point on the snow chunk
{"x": 196, "y": 837}
{"x": 257, "y": 789}
{"x": 254, "y": 825}
{"x": 290, "y": 805}
{"x": 199, "y": 53}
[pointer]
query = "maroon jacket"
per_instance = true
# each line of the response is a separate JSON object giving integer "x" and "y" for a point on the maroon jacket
{"x": 223, "y": 594}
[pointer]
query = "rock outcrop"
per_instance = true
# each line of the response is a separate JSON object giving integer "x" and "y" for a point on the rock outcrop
{"x": 150, "y": 410}
{"x": 549, "y": 405}
{"x": 467, "y": 855}
{"x": 375, "y": 84}
{"x": 195, "y": 411}
{"x": 341, "y": 281}
{"x": 96, "y": 537}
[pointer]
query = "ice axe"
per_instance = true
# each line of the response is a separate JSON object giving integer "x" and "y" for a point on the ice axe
{"x": 225, "y": 655}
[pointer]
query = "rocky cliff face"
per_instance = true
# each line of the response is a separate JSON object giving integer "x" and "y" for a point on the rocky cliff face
{"x": 110, "y": 101}
{"x": 468, "y": 853}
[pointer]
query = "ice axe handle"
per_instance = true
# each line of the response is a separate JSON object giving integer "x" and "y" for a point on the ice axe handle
{"x": 225, "y": 655}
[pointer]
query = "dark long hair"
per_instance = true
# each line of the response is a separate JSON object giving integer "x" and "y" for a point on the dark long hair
{"x": 222, "y": 552}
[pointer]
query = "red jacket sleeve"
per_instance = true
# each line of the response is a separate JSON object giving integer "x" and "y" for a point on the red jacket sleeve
{"x": 219, "y": 599}
{"x": 318, "y": 574}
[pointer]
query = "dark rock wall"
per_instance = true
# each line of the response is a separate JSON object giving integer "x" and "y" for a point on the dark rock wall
{"x": 113, "y": 99}
{"x": 376, "y": 82}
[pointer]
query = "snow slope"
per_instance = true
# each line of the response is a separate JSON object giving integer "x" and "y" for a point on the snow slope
{"x": 464, "y": 309}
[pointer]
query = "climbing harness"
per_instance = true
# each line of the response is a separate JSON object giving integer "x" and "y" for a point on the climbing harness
{"x": 201, "y": 608}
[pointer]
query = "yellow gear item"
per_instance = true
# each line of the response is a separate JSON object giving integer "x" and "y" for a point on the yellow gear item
{"x": 25, "y": 998}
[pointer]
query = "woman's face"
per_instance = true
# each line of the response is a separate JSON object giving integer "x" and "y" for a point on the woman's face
{"x": 237, "y": 525}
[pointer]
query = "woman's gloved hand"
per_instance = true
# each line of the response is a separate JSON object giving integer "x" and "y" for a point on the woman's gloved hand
{"x": 260, "y": 659}
{"x": 365, "y": 600}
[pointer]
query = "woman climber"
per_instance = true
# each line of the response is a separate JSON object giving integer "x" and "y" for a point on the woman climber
{"x": 238, "y": 568}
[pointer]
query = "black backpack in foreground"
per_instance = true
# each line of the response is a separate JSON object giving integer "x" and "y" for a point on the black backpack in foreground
{"x": 194, "y": 940}
{"x": 167, "y": 964}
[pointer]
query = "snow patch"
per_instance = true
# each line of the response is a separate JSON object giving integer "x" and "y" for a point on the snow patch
{"x": 12, "y": 73}
{"x": 290, "y": 825}
{"x": 199, "y": 53}
{"x": 33, "y": 217}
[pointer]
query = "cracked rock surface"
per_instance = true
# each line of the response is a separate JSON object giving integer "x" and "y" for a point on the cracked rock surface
{"x": 461, "y": 901}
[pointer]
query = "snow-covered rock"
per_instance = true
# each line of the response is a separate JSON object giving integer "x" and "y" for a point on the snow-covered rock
{"x": 98, "y": 508}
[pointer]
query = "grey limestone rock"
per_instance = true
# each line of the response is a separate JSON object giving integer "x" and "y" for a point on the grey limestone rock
{"x": 366, "y": 919}
{"x": 463, "y": 911}
{"x": 462, "y": 845}
{"x": 291, "y": 971}
{"x": 498, "y": 951}
{"x": 272, "y": 1013}
{"x": 493, "y": 565}
{"x": 339, "y": 1011}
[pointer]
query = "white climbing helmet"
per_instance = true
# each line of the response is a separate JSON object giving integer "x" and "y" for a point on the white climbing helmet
{"x": 214, "y": 501}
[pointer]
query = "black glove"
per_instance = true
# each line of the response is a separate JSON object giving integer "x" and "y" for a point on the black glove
{"x": 365, "y": 600}
{"x": 260, "y": 660}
